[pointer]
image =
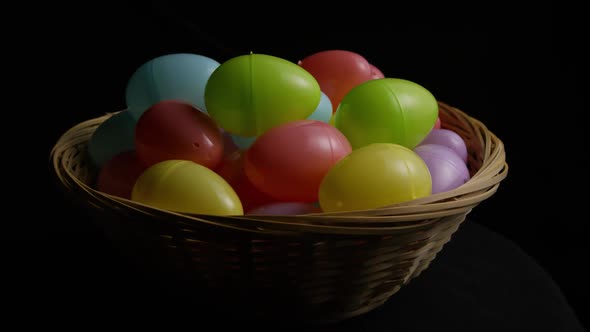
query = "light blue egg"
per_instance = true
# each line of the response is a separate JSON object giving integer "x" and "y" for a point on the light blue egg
{"x": 113, "y": 136}
{"x": 324, "y": 110}
{"x": 179, "y": 76}
{"x": 243, "y": 142}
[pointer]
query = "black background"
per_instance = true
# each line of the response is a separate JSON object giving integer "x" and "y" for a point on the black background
{"x": 515, "y": 69}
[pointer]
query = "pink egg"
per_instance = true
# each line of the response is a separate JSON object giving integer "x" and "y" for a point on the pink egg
{"x": 447, "y": 170}
{"x": 447, "y": 138}
{"x": 437, "y": 124}
{"x": 285, "y": 208}
{"x": 376, "y": 73}
{"x": 289, "y": 161}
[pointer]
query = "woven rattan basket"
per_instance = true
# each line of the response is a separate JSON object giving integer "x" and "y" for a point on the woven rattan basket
{"x": 322, "y": 267}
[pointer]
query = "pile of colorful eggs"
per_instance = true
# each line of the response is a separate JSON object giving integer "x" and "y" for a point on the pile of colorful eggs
{"x": 258, "y": 134}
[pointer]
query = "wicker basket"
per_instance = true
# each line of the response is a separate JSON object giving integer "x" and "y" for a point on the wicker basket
{"x": 321, "y": 267}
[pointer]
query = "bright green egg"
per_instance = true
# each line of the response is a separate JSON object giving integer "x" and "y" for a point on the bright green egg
{"x": 249, "y": 94}
{"x": 387, "y": 110}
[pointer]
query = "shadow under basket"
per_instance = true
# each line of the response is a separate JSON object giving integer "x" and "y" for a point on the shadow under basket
{"x": 311, "y": 268}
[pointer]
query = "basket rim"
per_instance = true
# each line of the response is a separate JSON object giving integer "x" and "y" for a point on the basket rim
{"x": 414, "y": 214}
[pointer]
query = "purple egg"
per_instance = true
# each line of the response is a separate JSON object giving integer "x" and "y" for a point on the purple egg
{"x": 448, "y": 138}
{"x": 447, "y": 169}
{"x": 284, "y": 208}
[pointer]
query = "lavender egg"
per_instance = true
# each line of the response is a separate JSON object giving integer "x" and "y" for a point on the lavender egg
{"x": 447, "y": 168}
{"x": 448, "y": 138}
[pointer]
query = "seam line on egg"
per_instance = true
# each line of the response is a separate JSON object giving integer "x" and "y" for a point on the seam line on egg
{"x": 400, "y": 110}
{"x": 412, "y": 184}
{"x": 169, "y": 171}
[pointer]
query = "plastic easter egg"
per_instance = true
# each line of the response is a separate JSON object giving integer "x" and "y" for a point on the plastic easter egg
{"x": 118, "y": 175}
{"x": 176, "y": 130}
{"x": 249, "y": 94}
{"x": 284, "y": 209}
{"x": 376, "y": 73}
{"x": 387, "y": 110}
{"x": 232, "y": 170}
{"x": 180, "y": 76}
{"x": 185, "y": 186}
{"x": 323, "y": 111}
{"x": 111, "y": 137}
{"x": 447, "y": 169}
{"x": 243, "y": 142}
{"x": 289, "y": 161}
{"x": 374, "y": 176}
{"x": 337, "y": 72}
{"x": 447, "y": 138}
{"x": 438, "y": 123}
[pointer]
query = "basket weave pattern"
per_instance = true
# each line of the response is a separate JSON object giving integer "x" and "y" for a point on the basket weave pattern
{"x": 320, "y": 267}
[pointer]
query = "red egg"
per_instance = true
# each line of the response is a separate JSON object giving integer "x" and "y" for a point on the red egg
{"x": 177, "y": 130}
{"x": 231, "y": 168}
{"x": 118, "y": 175}
{"x": 337, "y": 72}
{"x": 289, "y": 161}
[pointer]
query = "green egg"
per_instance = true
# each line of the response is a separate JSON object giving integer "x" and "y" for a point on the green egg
{"x": 249, "y": 94}
{"x": 387, "y": 110}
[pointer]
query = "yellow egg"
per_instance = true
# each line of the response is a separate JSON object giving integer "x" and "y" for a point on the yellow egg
{"x": 375, "y": 176}
{"x": 185, "y": 186}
